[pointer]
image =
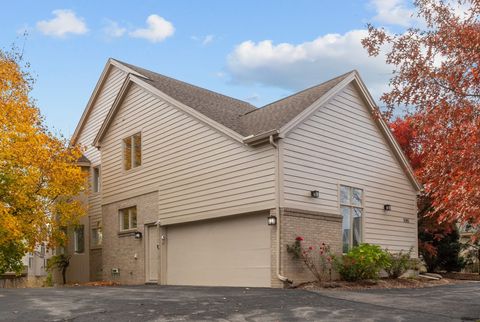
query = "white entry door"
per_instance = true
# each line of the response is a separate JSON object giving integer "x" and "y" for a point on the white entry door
{"x": 152, "y": 254}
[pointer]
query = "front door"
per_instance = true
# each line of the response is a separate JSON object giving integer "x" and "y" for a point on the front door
{"x": 152, "y": 254}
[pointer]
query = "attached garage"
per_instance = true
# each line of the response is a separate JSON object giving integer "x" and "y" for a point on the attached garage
{"x": 232, "y": 251}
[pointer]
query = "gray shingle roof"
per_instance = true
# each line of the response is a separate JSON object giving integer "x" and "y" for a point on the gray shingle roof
{"x": 277, "y": 114}
{"x": 240, "y": 116}
{"x": 83, "y": 159}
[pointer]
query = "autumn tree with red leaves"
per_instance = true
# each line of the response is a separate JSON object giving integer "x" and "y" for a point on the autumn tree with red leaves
{"x": 437, "y": 75}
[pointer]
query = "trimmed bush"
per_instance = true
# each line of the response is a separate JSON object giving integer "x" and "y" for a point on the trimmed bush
{"x": 398, "y": 263}
{"x": 363, "y": 262}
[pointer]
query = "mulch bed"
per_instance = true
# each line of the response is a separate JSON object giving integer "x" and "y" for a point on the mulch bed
{"x": 383, "y": 283}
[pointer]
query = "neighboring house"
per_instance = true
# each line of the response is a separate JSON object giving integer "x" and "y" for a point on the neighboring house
{"x": 36, "y": 262}
{"x": 184, "y": 180}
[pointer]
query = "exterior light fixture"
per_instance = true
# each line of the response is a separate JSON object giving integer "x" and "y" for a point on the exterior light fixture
{"x": 272, "y": 220}
{"x": 315, "y": 193}
{"x": 138, "y": 235}
{"x": 387, "y": 208}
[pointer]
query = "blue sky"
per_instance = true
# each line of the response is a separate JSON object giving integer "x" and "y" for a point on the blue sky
{"x": 257, "y": 51}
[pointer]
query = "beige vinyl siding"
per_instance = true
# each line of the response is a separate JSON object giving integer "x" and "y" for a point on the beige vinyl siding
{"x": 197, "y": 171}
{"x": 341, "y": 144}
{"x": 99, "y": 111}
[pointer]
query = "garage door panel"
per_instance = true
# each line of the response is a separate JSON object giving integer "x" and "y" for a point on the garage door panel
{"x": 234, "y": 251}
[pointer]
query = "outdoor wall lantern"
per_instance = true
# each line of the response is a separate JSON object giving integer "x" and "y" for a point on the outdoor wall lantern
{"x": 315, "y": 193}
{"x": 138, "y": 235}
{"x": 387, "y": 208}
{"x": 272, "y": 220}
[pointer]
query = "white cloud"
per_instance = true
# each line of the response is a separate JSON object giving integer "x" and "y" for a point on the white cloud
{"x": 208, "y": 39}
{"x": 297, "y": 66}
{"x": 158, "y": 29}
{"x": 204, "y": 40}
{"x": 113, "y": 30}
{"x": 252, "y": 98}
{"x": 393, "y": 12}
{"x": 65, "y": 22}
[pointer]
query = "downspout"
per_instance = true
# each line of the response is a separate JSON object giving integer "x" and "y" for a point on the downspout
{"x": 277, "y": 209}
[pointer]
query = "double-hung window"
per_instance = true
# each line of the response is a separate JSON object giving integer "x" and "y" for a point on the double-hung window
{"x": 351, "y": 207}
{"x": 128, "y": 218}
{"x": 132, "y": 151}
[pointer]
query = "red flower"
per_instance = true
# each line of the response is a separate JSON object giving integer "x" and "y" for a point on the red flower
{"x": 299, "y": 238}
{"x": 310, "y": 247}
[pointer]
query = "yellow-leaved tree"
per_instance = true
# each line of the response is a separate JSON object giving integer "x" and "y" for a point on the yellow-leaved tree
{"x": 39, "y": 178}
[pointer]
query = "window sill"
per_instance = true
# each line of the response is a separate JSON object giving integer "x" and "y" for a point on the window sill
{"x": 95, "y": 247}
{"x": 126, "y": 233}
{"x": 132, "y": 170}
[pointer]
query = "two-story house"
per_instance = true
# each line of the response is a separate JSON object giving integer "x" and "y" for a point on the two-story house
{"x": 191, "y": 187}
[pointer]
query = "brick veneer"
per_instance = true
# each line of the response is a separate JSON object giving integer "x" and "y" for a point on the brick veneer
{"x": 119, "y": 249}
{"x": 315, "y": 228}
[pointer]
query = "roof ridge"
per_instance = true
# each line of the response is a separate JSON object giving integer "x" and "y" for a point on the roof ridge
{"x": 302, "y": 91}
{"x": 188, "y": 84}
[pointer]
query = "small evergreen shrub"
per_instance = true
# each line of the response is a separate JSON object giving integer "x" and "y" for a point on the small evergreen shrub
{"x": 363, "y": 262}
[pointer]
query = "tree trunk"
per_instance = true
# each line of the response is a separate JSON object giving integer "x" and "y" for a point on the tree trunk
{"x": 64, "y": 275}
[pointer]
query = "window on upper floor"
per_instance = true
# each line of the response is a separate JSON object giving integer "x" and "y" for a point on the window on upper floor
{"x": 96, "y": 179}
{"x": 351, "y": 207}
{"x": 79, "y": 239}
{"x": 128, "y": 218}
{"x": 132, "y": 151}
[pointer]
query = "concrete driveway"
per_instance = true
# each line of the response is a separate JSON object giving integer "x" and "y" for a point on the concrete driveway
{"x": 170, "y": 303}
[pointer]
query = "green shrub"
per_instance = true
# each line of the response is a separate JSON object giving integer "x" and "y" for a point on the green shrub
{"x": 398, "y": 263}
{"x": 49, "y": 280}
{"x": 362, "y": 263}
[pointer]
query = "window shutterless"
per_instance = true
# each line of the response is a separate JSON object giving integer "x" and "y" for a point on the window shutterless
{"x": 132, "y": 151}
{"x": 351, "y": 208}
{"x": 128, "y": 218}
{"x": 79, "y": 239}
{"x": 96, "y": 179}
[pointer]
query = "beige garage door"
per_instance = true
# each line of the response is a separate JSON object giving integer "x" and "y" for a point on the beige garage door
{"x": 234, "y": 251}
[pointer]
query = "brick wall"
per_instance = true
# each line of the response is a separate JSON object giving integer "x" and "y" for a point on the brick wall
{"x": 96, "y": 264}
{"x": 315, "y": 228}
{"x": 119, "y": 249}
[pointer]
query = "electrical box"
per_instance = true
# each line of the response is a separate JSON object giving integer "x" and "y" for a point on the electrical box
{"x": 115, "y": 271}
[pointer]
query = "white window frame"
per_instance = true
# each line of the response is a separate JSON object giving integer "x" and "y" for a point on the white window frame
{"x": 351, "y": 207}
{"x": 96, "y": 179}
{"x": 133, "y": 165}
{"x": 96, "y": 238}
{"x": 120, "y": 217}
